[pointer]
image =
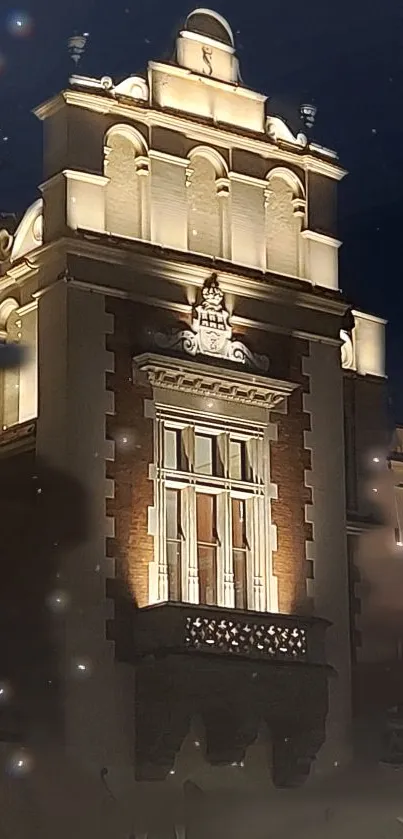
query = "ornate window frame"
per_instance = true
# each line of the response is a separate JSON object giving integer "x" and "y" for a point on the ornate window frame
{"x": 190, "y": 393}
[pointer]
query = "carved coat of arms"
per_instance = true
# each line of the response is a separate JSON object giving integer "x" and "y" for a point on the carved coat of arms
{"x": 211, "y": 331}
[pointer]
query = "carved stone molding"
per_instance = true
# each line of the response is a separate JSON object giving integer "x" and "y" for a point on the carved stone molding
{"x": 211, "y": 332}
{"x": 347, "y": 351}
{"x": 216, "y": 382}
{"x": 142, "y": 164}
{"x": 223, "y": 187}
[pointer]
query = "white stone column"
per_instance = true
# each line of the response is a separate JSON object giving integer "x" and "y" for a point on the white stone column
{"x": 226, "y": 554}
{"x": 299, "y": 207}
{"x": 163, "y": 588}
{"x": 223, "y": 195}
{"x": 143, "y": 171}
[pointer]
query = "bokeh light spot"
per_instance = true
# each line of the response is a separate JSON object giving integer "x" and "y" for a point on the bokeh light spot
{"x": 19, "y": 24}
{"x": 20, "y": 763}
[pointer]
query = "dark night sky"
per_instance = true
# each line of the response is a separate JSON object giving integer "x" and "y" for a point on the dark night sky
{"x": 347, "y": 56}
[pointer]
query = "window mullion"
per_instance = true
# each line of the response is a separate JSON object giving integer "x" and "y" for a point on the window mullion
{"x": 190, "y": 571}
{"x": 225, "y": 570}
{"x": 161, "y": 506}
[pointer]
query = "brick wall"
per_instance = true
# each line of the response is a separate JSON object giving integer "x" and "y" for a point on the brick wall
{"x": 289, "y": 459}
{"x": 133, "y": 546}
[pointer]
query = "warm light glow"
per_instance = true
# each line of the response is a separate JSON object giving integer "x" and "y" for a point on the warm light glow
{"x": 375, "y": 459}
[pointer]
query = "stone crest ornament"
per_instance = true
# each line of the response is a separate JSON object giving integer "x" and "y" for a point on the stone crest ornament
{"x": 211, "y": 332}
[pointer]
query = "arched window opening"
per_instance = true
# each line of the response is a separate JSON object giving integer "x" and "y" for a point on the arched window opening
{"x": 205, "y": 213}
{"x": 284, "y": 210}
{"x": 125, "y": 199}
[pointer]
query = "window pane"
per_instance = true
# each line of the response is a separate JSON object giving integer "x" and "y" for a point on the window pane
{"x": 174, "y": 570}
{"x": 207, "y": 548}
{"x": 204, "y": 454}
{"x": 172, "y": 505}
{"x": 238, "y": 523}
{"x": 173, "y": 542}
{"x": 170, "y": 448}
{"x": 239, "y": 548}
{"x": 239, "y": 559}
{"x": 206, "y": 510}
{"x": 236, "y": 460}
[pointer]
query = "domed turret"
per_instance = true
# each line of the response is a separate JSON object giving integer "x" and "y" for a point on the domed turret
{"x": 206, "y": 46}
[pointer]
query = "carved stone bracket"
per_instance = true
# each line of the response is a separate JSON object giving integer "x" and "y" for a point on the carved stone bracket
{"x": 294, "y": 751}
{"x": 232, "y": 700}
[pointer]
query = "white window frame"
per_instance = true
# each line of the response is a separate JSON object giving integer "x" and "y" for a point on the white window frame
{"x": 258, "y": 572}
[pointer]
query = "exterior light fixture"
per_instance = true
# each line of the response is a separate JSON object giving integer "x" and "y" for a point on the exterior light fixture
{"x": 308, "y": 113}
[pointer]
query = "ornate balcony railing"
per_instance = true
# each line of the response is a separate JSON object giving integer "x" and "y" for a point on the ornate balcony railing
{"x": 188, "y": 628}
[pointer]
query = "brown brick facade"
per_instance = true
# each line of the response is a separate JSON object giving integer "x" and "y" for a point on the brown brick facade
{"x": 289, "y": 460}
{"x": 134, "y": 325}
{"x": 132, "y": 547}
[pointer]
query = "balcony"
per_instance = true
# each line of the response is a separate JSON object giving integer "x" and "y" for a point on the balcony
{"x": 233, "y": 671}
{"x": 171, "y": 628}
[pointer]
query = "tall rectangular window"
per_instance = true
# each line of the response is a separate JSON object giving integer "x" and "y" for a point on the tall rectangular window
{"x": 206, "y": 523}
{"x": 205, "y": 454}
{"x": 211, "y": 480}
{"x": 171, "y": 448}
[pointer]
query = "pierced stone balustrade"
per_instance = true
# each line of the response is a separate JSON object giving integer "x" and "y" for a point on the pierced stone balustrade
{"x": 177, "y": 627}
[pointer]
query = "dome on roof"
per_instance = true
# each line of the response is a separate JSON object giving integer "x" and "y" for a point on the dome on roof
{"x": 211, "y": 25}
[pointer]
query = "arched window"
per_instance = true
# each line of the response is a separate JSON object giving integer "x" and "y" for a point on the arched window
{"x": 285, "y": 207}
{"x": 207, "y": 191}
{"x": 126, "y": 163}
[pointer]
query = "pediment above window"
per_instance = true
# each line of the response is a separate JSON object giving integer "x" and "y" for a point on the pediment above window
{"x": 212, "y": 381}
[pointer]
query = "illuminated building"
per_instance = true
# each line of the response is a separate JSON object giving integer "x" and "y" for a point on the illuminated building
{"x": 195, "y": 377}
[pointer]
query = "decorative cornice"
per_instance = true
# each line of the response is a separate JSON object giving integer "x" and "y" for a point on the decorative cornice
{"x": 206, "y": 380}
{"x": 85, "y": 177}
{"x": 366, "y": 316}
{"x": 205, "y": 132}
{"x": 322, "y": 238}
{"x": 261, "y": 285}
{"x": 22, "y": 270}
{"x": 165, "y": 157}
